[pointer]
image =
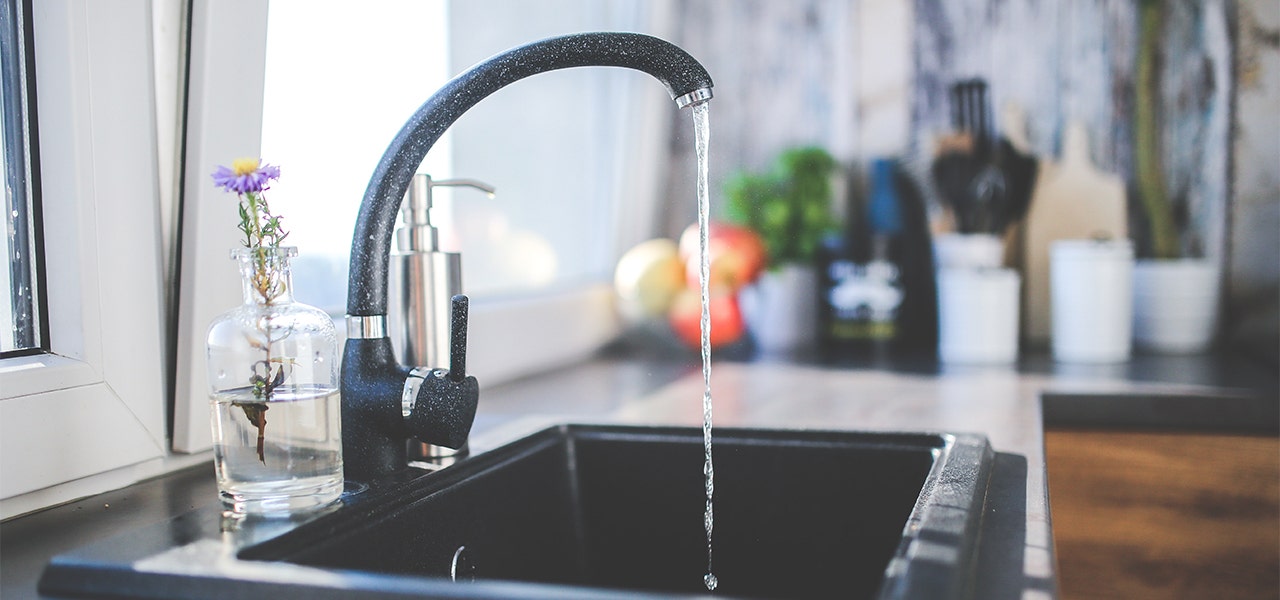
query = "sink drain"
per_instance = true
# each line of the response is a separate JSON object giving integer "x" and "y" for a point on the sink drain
{"x": 463, "y": 569}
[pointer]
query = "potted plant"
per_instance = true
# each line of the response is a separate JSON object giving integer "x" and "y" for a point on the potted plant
{"x": 1175, "y": 296}
{"x": 790, "y": 208}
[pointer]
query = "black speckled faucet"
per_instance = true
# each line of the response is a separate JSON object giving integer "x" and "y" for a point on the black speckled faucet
{"x": 383, "y": 402}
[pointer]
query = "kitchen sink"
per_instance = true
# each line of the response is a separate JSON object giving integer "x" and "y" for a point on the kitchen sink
{"x": 602, "y": 511}
{"x": 797, "y": 514}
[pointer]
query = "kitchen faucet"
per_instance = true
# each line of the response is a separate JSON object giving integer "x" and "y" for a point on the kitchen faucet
{"x": 383, "y": 402}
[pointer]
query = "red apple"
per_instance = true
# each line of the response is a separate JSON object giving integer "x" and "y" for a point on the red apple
{"x": 685, "y": 317}
{"x": 736, "y": 254}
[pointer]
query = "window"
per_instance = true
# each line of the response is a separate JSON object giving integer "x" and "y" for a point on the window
{"x": 22, "y": 324}
{"x": 85, "y": 409}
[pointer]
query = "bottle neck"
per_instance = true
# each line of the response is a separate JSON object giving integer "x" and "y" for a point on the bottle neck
{"x": 265, "y": 274}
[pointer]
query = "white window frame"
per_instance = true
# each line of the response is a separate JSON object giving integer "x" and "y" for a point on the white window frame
{"x": 90, "y": 415}
{"x": 508, "y": 338}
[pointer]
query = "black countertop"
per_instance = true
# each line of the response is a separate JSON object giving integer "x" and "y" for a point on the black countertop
{"x": 802, "y": 391}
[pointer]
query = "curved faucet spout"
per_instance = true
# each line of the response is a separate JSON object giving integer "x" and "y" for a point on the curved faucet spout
{"x": 686, "y": 80}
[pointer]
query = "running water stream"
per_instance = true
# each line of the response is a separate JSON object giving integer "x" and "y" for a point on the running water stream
{"x": 702, "y": 134}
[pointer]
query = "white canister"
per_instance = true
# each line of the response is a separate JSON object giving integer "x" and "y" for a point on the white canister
{"x": 1091, "y": 300}
{"x": 978, "y": 316}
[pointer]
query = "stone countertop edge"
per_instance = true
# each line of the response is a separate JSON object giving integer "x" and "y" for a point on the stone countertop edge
{"x": 1002, "y": 404}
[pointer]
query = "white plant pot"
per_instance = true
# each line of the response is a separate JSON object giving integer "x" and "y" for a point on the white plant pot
{"x": 1175, "y": 305}
{"x": 781, "y": 309}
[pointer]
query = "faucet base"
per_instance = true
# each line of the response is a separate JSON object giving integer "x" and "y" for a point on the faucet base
{"x": 374, "y": 428}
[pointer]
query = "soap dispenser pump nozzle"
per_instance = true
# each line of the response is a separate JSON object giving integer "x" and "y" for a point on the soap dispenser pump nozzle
{"x": 418, "y": 233}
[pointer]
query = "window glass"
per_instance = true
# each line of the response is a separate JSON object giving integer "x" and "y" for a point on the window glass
{"x": 555, "y": 145}
{"x": 339, "y": 84}
{"x": 21, "y": 324}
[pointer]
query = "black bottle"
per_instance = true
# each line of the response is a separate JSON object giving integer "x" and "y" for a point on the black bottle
{"x": 848, "y": 322}
{"x": 876, "y": 284}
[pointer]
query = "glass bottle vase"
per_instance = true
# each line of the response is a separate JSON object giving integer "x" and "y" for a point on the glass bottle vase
{"x": 273, "y": 374}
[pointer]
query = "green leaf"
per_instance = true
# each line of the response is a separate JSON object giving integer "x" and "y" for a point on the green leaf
{"x": 790, "y": 206}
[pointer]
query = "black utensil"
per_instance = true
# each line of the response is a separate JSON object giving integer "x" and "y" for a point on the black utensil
{"x": 967, "y": 175}
{"x": 1020, "y": 171}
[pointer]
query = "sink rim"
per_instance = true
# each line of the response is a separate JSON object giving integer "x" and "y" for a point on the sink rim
{"x": 941, "y": 529}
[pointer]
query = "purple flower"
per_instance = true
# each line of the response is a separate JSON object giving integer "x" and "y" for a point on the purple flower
{"x": 245, "y": 175}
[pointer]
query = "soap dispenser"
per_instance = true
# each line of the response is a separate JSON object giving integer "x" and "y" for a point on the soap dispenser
{"x": 423, "y": 280}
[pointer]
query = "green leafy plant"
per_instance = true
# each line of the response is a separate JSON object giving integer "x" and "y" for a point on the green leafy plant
{"x": 790, "y": 206}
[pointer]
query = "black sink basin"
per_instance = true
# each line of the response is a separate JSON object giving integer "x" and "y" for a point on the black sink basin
{"x": 797, "y": 515}
{"x": 595, "y": 512}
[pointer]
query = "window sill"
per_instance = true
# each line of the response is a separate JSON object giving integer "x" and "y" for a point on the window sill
{"x": 29, "y": 375}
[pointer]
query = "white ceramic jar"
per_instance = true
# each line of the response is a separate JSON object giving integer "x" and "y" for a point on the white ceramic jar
{"x": 978, "y": 316}
{"x": 1091, "y": 291}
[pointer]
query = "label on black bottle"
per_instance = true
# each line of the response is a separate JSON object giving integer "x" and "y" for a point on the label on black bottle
{"x": 863, "y": 300}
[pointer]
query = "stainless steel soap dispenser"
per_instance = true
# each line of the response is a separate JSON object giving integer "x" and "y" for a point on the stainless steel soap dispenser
{"x": 423, "y": 278}
{"x": 422, "y": 282}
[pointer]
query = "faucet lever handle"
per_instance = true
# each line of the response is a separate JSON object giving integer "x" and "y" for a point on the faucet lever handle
{"x": 458, "y": 337}
{"x": 444, "y": 406}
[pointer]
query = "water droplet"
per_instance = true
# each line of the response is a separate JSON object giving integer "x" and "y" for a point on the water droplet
{"x": 222, "y": 374}
{"x": 319, "y": 358}
{"x": 711, "y": 581}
